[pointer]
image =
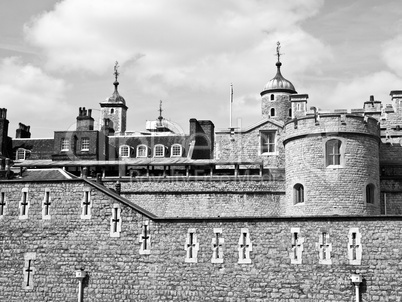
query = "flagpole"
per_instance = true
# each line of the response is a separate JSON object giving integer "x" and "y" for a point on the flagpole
{"x": 231, "y": 101}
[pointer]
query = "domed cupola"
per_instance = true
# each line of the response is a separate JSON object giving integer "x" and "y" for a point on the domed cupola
{"x": 116, "y": 97}
{"x": 275, "y": 98}
{"x": 114, "y": 108}
{"x": 278, "y": 83}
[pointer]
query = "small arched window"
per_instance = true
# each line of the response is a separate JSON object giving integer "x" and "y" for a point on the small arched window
{"x": 176, "y": 150}
{"x": 142, "y": 151}
{"x": 272, "y": 97}
{"x": 272, "y": 112}
{"x": 159, "y": 151}
{"x": 124, "y": 151}
{"x": 298, "y": 193}
{"x": 370, "y": 189}
{"x": 112, "y": 111}
{"x": 333, "y": 152}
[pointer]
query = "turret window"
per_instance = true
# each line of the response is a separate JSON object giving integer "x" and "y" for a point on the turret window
{"x": 272, "y": 97}
{"x": 268, "y": 142}
{"x": 370, "y": 189}
{"x": 298, "y": 193}
{"x": 333, "y": 152}
{"x": 272, "y": 112}
{"x": 142, "y": 151}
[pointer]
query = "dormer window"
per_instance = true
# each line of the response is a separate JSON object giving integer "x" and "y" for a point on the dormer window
{"x": 22, "y": 154}
{"x": 85, "y": 144}
{"x": 65, "y": 144}
{"x": 159, "y": 151}
{"x": 176, "y": 150}
{"x": 124, "y": 151}
{"x": 142, "y": 151}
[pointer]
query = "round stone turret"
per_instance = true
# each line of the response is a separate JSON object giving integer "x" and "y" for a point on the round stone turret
{"x": 332, "y": 165}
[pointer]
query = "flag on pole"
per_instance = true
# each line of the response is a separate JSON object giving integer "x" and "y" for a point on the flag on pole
{"x": 231, "y": 92}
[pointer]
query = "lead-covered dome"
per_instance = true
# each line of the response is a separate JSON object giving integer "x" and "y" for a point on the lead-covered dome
{"x": 278, "y": 83}
{"x": 116, "y": 97}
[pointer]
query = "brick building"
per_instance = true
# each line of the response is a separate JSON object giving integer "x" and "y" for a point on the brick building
{"x": 288, "y": 209}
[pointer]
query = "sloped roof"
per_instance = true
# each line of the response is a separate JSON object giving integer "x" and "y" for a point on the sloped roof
{"x": 45, "y": 174}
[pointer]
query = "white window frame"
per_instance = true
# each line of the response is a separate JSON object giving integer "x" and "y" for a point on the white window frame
{"x": 145, "y": 151}
{"x": 116, "y": 214}
{"x": 245, "y": 246}
{"x": 65, "y": 144}
{"x": 274, "y": 143}
{"x": 191, "y": 246}
{"x": 173, "y": 149}
{"x": 23, "y": 152}
{"x": 24, "y": 199}
{"x": 85, "y": 144}
{"x": 46, "y": 199}
{"x": 145, "y": 243}
{"x": 124, "y": 154}
{"x": 86, "y": 198}
{"x": 156, "y": 153}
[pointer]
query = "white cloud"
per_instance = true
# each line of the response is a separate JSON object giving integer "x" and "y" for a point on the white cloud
{"x": 392, "y": 54}
{"x": 30, "y": 95}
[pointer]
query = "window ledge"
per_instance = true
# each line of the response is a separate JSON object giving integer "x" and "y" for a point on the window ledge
{"x": 335, "y": 167}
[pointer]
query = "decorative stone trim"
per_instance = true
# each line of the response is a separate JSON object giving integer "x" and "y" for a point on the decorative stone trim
{"x": 217, "y": 246}
{"x": 355, "y": 247}
{"x": 145, "y": 239}
{"x": 324, "y": 248}
{"x": 296, "y": 253}
{"x": 24, "y": 204}
{"x": 191, "y": 246}
{"x": 28, "y": 271}
{"x": 244, "y": 247}
{"x": 115, "y": 221}
{"x": 86, "y": 204}
{"x": 46, "y": 205}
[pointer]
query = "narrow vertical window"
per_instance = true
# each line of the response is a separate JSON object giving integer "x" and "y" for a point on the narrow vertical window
{"x": 296, "y": 253}
{"x": 267, "y": 142}
{"x": 333, "y": 152}
{"x": 354, "y": 247}
{"x": 115, "y": 221}
{"x": 28, "y": 270}
{"x": 3, "y": 204}
{"x": 298, "y": 193}
{"x": 272, "y": 97}
{"x": 217, "y": 246}
{"x": 324, "y": 248}
{"x": 272, "y": 112}
{"x": 46, "y": 205}
{"x": 244, "y": 246}
{"x": 24, "y": 204}
{"x": 290, "y": 112}
{"x": 191, "y": 246}
{"x": 370, "y": 193}
{"x": 86, "y": 204}
{"x": 145, "y": 239}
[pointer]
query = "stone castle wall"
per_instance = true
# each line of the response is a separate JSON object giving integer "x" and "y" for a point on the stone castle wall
{"x": 118, "y": 271}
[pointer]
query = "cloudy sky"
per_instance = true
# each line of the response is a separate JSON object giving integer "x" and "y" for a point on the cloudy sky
{"x": 57, "y": 56}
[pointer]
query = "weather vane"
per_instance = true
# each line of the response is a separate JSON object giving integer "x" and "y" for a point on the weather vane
{"x": 116, "y": 73}
{"x": 278, "y": 47}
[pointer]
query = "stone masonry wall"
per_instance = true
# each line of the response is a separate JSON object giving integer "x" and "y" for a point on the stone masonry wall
{"x": 119, "y": 272}
{"x": 245, "y": 146}
{"x": 218, "y": 198}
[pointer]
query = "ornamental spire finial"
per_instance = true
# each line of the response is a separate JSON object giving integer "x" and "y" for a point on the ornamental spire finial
{"x": 116, "y": 73}
{"x": 160, "y": 118}
{"x": 278, "y": 47}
